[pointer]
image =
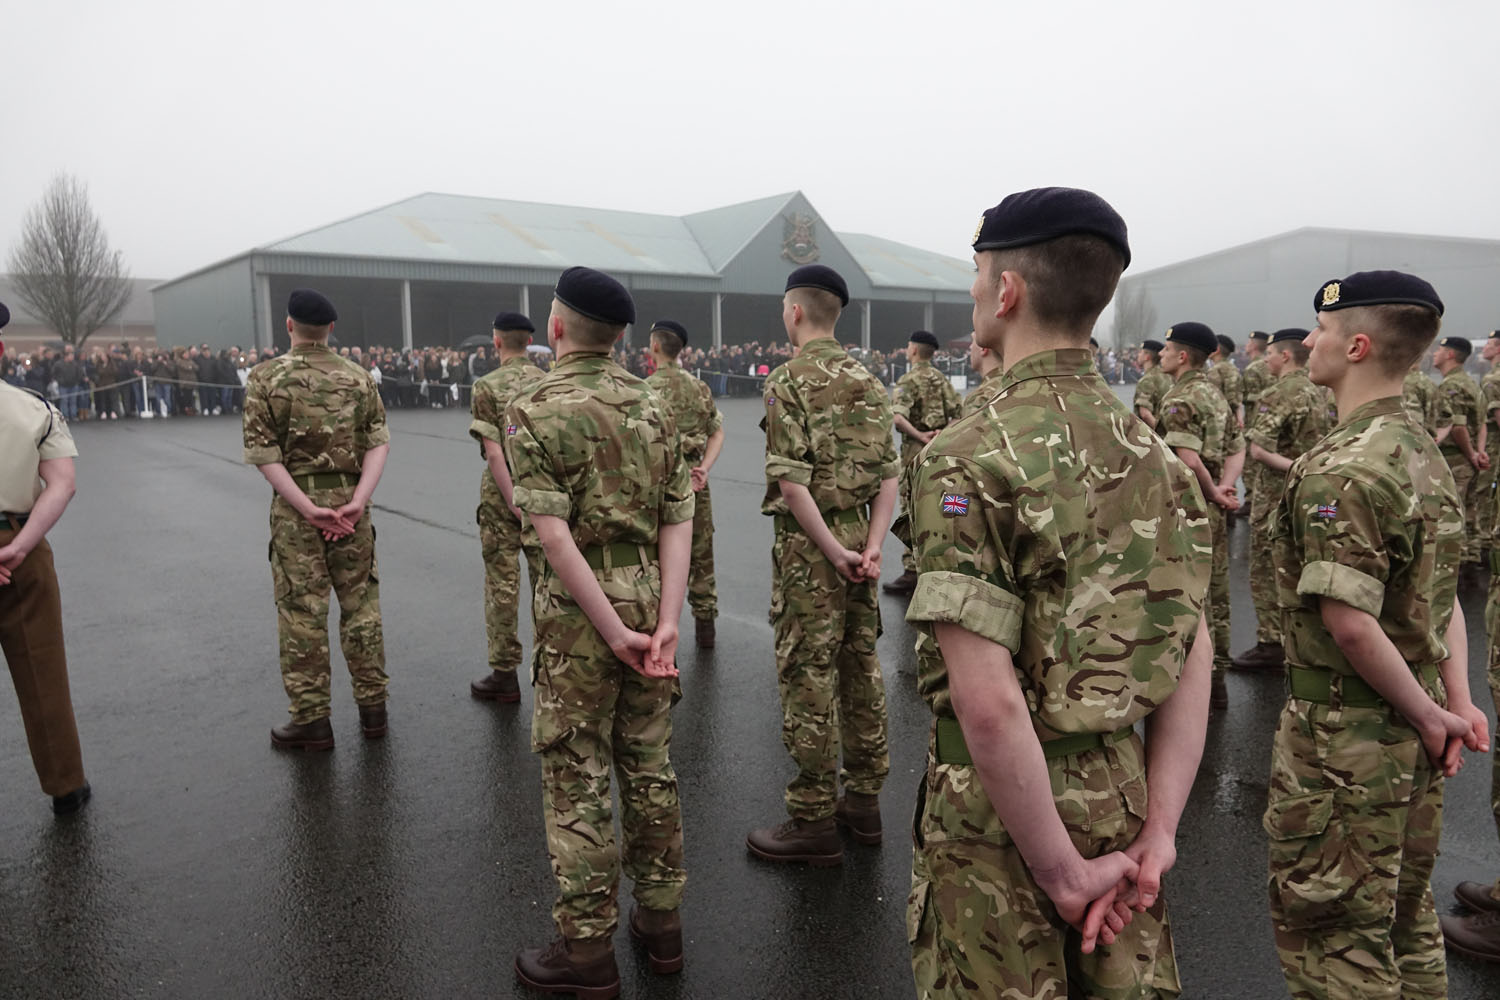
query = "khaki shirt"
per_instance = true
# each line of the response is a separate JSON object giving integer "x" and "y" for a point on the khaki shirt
{"x": 31, "y": 432}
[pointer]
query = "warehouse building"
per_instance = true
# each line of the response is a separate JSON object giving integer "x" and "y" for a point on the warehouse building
{"x": 434, "y": 269}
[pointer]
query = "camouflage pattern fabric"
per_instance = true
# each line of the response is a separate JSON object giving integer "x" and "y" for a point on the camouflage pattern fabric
{"x": 1254, "y": 381}
{"x": 1291, "y": 417}
{"x": 1492, "y": 629}
{"x": 982, "y": 393}
{"x": 691, "y": 404}
{"x": 1226, "y": 378}
{"x": 978, "y": 924}
{"x": 1369, "y": 517}
{"x": 1151, "y": 390}
{"x": 1484, "y": 486}
{"x": 828, "y": 427}
{"x": 1419, "y": 396}
{"x": 1462, "y": 405}
{"x": 313, "y": 412}
{"x": 925, "y": 397}
{"x": 591, "y": 444}
{"x": 501, "y": 536}
{"x": 1096, "y": 613}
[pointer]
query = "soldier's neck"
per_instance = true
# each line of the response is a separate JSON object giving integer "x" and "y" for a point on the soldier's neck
{"x": 1358, "y": 388}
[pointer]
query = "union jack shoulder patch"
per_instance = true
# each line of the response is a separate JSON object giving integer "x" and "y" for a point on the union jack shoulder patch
{"x": 955, "y": 505}
{"x": 1327, "y": 511}
{"x": 511, "y": 430}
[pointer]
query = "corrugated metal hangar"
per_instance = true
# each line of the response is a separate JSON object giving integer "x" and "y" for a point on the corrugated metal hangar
{"x": 434, "y": 269}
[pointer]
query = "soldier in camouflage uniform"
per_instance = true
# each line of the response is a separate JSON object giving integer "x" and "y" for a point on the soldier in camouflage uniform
{"x": 924, "y": 402}
{"x": 1254, "y": 381}
{"x": 1197, "y": 422}
{"x": 1289, "y": 418}
{"x": 1226, "y": 377}
{"x": 1460, "y": 417}
{"x": 991, "y": 373}
{"x": 1045, "y": 633}
{"x": 599, "y": 471}
{"x": 502, "y": 536}
{"x": 831, "y": 471}
{"x": 1153, "y": 384}
{"x": 701, "y": 428}
{"x": 1419, "y": 396}
{"x": 315, "y": 427}
{"x": 1489, "y": 445}
{"x": 1367, "y": 539}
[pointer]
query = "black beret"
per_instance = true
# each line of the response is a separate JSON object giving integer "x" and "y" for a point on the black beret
{"x": 671, "y": 326}
{"x": 596, "y": 295}
{"x": 1043, "y": 214}
{"x": 923, "y": 337}
{"x": 1259, "y": 335}
{"x": 819, "y": 276}
{"x": 1376, "y": 288}
{"x": 1225, "y": 344}
{"x": 1193, "y": 335}
{"x": 1291, "y": 333}
{"x": 4, "y": 315}
{"x": 307, "y": 306}
{"x": 1093, "y": 342}
{"x": 513, "y": 321}
{"x": 1152, "y": 345}
{"x": 1494, "y": 334}
{"x": 1459, "y": 344}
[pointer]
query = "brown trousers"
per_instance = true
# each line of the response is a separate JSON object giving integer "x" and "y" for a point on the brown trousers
{"x": 32, "y": 639}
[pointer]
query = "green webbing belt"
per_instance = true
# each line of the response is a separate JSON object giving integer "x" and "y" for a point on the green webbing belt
{"x": 786, "y": 522}
{"x": 1317, "y": 686}
{"x": 614, "y": 555}
{"x": 324, "y": 480}
{"x": 951, "y": 748}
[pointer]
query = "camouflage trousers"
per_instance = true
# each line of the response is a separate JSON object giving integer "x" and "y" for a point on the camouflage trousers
{"x": 1218, "y": 588}
{"x": 1463, "y": 482}
{"x": 1262, "y": 570}
{"x": 1354, "y": 816}
{"x": 501, "y": 545}
{"x": 703, "y": 591}
{"x": 304, "y": 568}
{"x": 908, "y": 465}
{"x": 979, "y": 926}
{"x": 1484, "y": 498}
{"x": 1492, "y": 627}
{"x": 592, "y": 712}
{"x": 832, "y": 688}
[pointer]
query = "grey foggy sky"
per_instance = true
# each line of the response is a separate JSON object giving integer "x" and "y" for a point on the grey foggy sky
{"x": 203, "y": 129}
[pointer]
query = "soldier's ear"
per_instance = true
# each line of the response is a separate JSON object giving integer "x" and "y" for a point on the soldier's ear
{"x": 1359, "y": 347}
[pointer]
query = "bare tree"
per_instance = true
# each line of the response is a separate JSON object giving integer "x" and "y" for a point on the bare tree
{"x": 1135, "y": 316}
{"x": 63, "y": 267}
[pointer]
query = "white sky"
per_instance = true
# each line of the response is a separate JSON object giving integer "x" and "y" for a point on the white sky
{"x": 203, "y": 129}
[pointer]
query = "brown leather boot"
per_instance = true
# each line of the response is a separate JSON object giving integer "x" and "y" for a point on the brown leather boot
{"x": 861, "y": 814}
{"x": 500, "y": 685}
{"x": 1261, "y": 656}
{"x": 584, "y": 968}
{"x": 903, "y": 584}
{"x": 1477, "y": 936}
{"x": 315, "y": 735}
{"x": 661, "y": 932}
{"x": 815, "y": 842}
{"x": 372, "y": 720}
{"x": 1218, "y": 693}
{"x": 1477, "y": 895}
{"x": 704, "y": 632}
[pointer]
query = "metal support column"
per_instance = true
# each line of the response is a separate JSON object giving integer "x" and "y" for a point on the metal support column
{"x": 526, "y": 302}
{"x": 406, "y": 315}
{"x": 927, "y": 317}
{"x": 718, "y": 320}
{"x": 864, "y": 324}
{"x": 264, "y": 331}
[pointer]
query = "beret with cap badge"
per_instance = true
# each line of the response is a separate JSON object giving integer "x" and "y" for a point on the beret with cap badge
{"x": 819, "y": 276}
{"x": 1152, "y": 345}
{"x": 1041, "y": 214}
{"x": 1196, "y": 335}
{"x": 672, "y": 326}
{"x": 1259, "y": 335}
{"x": 596, "y": 295}
{"x": 1376, "y": 288}
{"x": 1291, "y": 333}
{"x": 1459, "y": 344}
{"x": 514, "y": 321}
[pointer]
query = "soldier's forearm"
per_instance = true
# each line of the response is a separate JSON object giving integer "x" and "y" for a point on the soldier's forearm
{"x": 674, "y": 543}
{"x": 907, "y": 428}
{"x": 712, "y": 449}
{"x": 370, "y": 469}
{"x": 881, "y": 511}
{"x": 1455, "y": 669}
{"x": 576, "y": 575}
{"x": 281, "y": 481}
{"x": 1233, "y": 466}
{"x": 59, "y": 476}
{"x": 805, "y": 510}
{"x": 1175, "y": 735}
{"x": 494, "y": 456}
{"x": 1375, "y": 659}
{"x": 1460, "y": 436}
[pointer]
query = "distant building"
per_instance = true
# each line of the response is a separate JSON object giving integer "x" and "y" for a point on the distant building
{"x": 434, "y": 270}
{"x": 136, "y": 324}
{"x": 1269, "y": 284}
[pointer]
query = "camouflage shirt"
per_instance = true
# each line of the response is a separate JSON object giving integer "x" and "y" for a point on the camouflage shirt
{"x": 828, "y": 427}
{"x": 926, "y": 398}
{"x": 1290, "y": 418}
{"x": 493, "y": 392}
{"x": 1193, "y": 415}
{"x": 1459, "y": 402}
{"x": 1013, "y": 543}
{"x": 1370, "y": 517}
{"x": 1255, "y": 380}
{"x": 312, "y": 411}
{"x": 1489, "y": 388}
{"x": 1151, "y": 389}
{"x": 1418, "y": 395}
{"x": 691, "y": 404}
{"x": 589, "y": 443}
{"x": 983, "y": 392}
{"x": 1226, "y": 378}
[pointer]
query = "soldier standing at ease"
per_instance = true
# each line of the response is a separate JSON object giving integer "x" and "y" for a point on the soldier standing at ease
{"x": 598, "y": 469}
{"x": 1291, "y": 416}
{"x": 700, "y": 426}
{"x": 36, "y": 483}
{"x": 1046, "y": 632}
{"x": 1367, "y": 538}
{"x": 1226, "y": 377}
{"x": 1419, "y": 396}
{"x": 314, "y": 426}
{"x": 1254, "y": 381}
{"x": 1460, "y": 416}
{"x": 1196, "y": 421}
{"x": 1153, "y": 384}
{"x": 991, "y": 373}
{"x": 1489, "y": 445}
{"x": 923, "y": 403}
{"x": 831, "y": 472}
{"x": 502, "y": 535}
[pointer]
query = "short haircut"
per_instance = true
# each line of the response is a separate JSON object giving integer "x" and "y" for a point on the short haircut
{"x": 585, "y": 331}
{"x": 1399, "y": 334}
{"x": 1196, "y": 357}
{"x": 1154, "y": 355}
{"x": 514, "y": 340}
{"x": 667, "y": 342}
{"x": 1296, "y": 348}
{"x": 309, "y": 330}
{"x": 924, "y": 351}
{"x": 821, "y": 307}
{"x": 1069, "y": 280}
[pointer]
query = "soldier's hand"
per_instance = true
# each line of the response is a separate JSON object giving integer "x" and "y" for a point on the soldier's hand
{"x": 1086, "y": 896}
{"x": 1478, "y": 737}
{"x": 850, "y": 564}
{"x": 631, "y": 649}
{"x": 1481, "y": 461}
{"x": 11, "y": 557}
{"x": 663, "y": 657}
{"x": 870, "y": 560}
{"x": 1156, "y": 854}
{"x": 351, "y": 513}
{"x": 699, "y": 477}
{"x": 325, "y": 519}
{"x": 1443, "y": 738}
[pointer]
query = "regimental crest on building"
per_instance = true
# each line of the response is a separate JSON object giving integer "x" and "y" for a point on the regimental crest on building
{"x": 799, "y": 242}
